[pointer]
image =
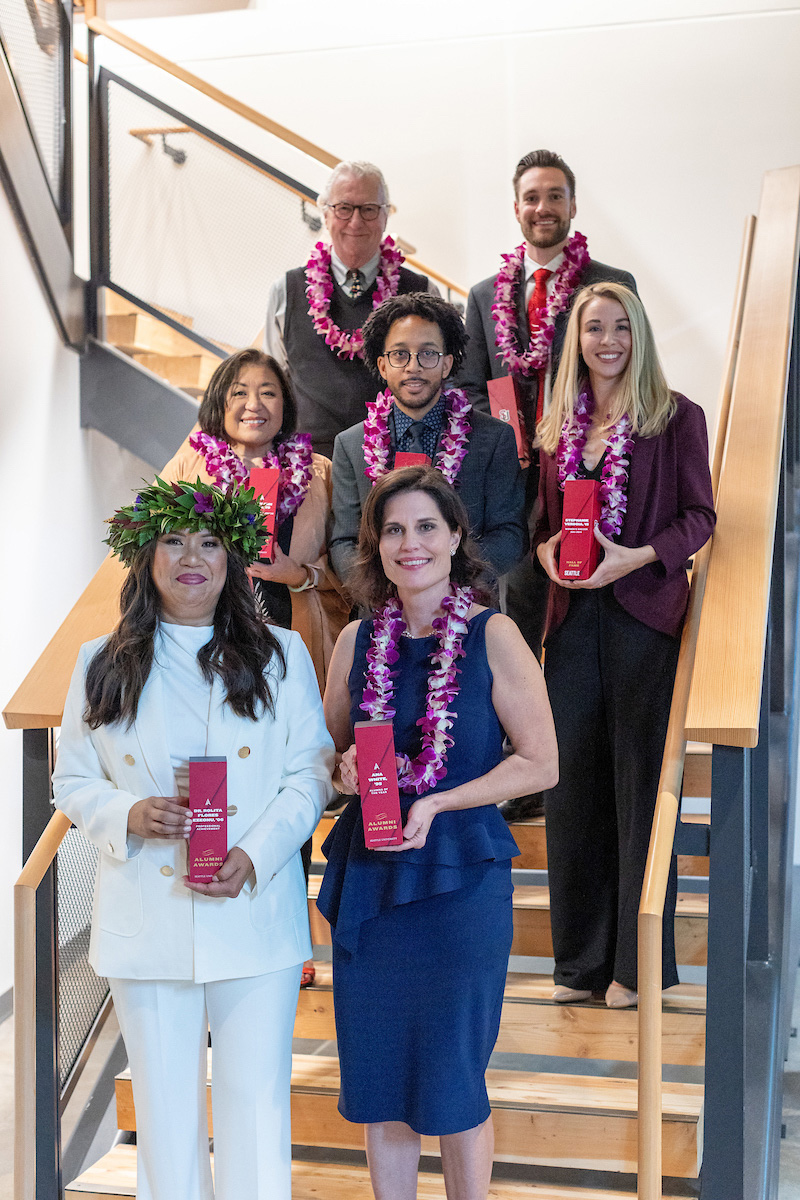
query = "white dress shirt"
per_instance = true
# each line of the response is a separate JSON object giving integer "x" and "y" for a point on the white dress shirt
{"x": 530, "y": 267}
{"x": 187, "y": 695}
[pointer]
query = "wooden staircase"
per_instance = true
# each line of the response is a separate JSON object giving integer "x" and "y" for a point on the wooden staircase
{"x": 542, "y": 1119}
{"x": 157, "y": 346}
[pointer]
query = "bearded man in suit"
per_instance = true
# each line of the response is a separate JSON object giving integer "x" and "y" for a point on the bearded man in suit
{"x": 516, "y": 321}
{"x": 413, "y": 343}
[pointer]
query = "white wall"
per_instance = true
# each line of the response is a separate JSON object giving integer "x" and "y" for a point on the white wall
{"x": 57, "y": 484}
{"x": 669, "y": 120}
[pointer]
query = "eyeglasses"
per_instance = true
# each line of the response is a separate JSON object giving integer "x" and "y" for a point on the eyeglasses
{"x": 427, "y": 359}
{"x": 369, "y": 212}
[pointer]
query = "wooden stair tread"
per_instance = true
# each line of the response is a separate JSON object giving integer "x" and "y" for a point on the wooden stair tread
{"x": 553, "y": 1120}
{"x": 527, "y": 1090}
{"x": 532, "y": 1023}
{"x": 115, "y": 1175}
{"x": 533, "y": 1090}
{"x": 532, "y": 936}
{"x": 537, "y": 896}
{"x": 527, "y": 986}
{"x": 118, "y": 306}
{"x": 191, "y": 372}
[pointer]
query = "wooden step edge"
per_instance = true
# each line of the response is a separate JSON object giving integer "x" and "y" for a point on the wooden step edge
{"x": 682, "y": 1101}
{"x": 682, "y": 998}
{"x": 537, "y": 896}
{"x": 115, "y": 1175}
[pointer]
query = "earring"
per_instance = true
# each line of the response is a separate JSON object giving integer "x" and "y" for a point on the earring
{"x": 453, "y": 550}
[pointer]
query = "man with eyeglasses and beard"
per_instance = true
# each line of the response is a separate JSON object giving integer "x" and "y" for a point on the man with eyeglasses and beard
{"x": 412, "y": 343}
{"x": 315, "y": 313}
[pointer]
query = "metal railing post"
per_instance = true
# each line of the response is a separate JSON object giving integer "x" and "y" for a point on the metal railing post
{"x": 729, "y": 885}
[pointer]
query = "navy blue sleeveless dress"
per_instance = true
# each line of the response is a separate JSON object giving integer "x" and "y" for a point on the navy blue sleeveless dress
{"x": 421, "y": 938}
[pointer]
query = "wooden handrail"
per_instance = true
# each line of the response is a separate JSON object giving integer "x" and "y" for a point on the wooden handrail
{"x": 38, "y": 702}
{"x": 25, "y": 888}
{"x": 732, "y": 353}
{"x": 726, "y": 689}
{"x": 769, "y": 249}
{"x": 103, "y": 29}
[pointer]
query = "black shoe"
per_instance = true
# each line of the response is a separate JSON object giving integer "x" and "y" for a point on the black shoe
{"x": 522, "y": 808}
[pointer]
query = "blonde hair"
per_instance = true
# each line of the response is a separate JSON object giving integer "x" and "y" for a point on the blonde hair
{"x": 641, "y": 393}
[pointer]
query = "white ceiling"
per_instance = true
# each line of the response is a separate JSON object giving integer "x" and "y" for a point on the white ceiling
{"x": 267, "y": 27}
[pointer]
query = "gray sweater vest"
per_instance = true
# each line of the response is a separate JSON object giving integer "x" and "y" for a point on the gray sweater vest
{"x": 331, "y": 392}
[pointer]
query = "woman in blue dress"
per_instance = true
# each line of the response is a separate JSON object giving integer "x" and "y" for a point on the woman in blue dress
{"x": 422, "y": 931}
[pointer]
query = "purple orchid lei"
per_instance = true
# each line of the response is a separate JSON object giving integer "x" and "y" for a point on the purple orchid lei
{"x": 428, "y": 768}
{"x": 293, "y": 459}
{"x": 452, "y": 444}
{"x": 614, "y": 475}
{"x": 506, "y": 316}
{"x": 348, "y": 343}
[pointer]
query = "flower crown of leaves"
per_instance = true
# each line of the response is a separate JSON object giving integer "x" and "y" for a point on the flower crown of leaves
{"x": 233, "y": 515}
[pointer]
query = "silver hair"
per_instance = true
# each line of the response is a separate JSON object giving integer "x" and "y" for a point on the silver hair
{"x": 361, "y": 170}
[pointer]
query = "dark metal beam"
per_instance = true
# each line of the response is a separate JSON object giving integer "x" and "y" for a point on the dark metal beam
{"x": 133, "y": 406}
{"x": 723, "y": 1154}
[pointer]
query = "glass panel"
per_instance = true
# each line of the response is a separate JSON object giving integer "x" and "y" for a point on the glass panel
{"x": 195, "y": 229}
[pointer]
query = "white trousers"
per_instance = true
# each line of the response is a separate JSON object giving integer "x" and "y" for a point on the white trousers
{"x": 164, "y": 1024}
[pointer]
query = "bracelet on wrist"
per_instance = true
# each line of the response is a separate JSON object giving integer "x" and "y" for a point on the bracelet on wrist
{"x": 310, "y": 581}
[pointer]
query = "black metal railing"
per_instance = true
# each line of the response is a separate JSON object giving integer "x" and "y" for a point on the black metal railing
{"x": 190, "y": 227}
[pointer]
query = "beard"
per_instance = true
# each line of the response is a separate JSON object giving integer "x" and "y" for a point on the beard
{"x": 415, "y": 401}
{"x": 544, "y": 236}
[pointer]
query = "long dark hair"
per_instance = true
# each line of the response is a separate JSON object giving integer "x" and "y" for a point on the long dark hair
{"x": 240, "y": 650}
{"x": 211, "y": 417}
{"x": 368, "y": 583}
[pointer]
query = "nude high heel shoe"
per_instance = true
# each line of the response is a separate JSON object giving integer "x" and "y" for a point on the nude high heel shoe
{"x": 618, "y": 996}
{"x": 568, "y": 995}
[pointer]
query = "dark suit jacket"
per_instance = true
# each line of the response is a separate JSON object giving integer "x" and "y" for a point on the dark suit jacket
{"x": 489, "y": 483}
{"x": 483, "y": 361}
{"x": 670, "y": 507}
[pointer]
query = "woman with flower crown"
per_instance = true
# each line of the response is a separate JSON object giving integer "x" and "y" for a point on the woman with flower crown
{"x": 192, "y": 671}
{"x": 247, "y": 419}
{"x": 456, "y": 678}
{"x": 611, "y": 643}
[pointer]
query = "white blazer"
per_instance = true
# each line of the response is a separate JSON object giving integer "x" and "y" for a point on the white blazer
{"x": 145, "y": 923}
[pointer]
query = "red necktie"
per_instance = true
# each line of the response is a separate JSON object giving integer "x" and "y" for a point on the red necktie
{"x": 537, "y": 301}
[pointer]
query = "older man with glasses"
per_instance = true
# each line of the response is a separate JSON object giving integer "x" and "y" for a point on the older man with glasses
{"x": 315, "y": 313}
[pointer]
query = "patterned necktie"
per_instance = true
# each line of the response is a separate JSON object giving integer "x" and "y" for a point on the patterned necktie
{"x": 354, "y": 282}
{"x": 538, "y": 300}
{"x": 414, "y": 437}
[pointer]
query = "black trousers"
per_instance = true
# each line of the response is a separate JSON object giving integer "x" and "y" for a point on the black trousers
{"x": 527, "y": 586}
{"x": 610, "y": 681}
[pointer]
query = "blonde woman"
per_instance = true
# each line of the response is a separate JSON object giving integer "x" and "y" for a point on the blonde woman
{"x": 612, "y": 641}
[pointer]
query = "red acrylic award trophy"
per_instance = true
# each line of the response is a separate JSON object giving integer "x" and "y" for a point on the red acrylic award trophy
{"x": 377, "y": 783}
{"x": 208, "y": 802}
{"x": 266, "y": 481}
{"x": 505, "y": 402}
{"x": 404, "y": 458}
{"x": 578, "y": 549}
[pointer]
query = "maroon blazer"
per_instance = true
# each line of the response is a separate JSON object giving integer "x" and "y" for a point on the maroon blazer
{"x": 670, "y": 507}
